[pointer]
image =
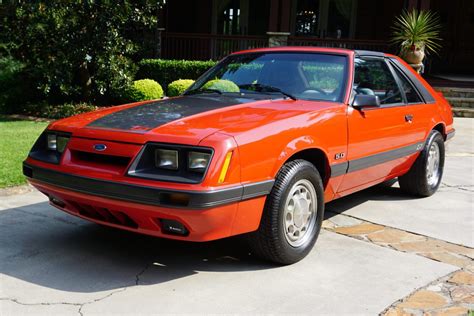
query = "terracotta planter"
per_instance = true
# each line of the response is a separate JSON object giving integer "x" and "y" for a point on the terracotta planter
{"x": 413, "y": 55}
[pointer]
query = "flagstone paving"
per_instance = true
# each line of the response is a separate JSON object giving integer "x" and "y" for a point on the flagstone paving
{"x": 450, "y": 295}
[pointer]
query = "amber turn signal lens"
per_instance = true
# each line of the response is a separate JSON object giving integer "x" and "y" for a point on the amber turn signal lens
{"x": 225, "y": 167}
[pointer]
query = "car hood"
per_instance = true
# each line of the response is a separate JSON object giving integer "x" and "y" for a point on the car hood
{"x": 185, "y": 120}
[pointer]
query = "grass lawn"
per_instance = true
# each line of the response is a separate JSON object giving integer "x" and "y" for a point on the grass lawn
{"x": 16, "y": 139}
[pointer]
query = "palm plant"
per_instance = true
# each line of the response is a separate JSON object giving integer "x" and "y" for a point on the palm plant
{"x": 417, "y": 31}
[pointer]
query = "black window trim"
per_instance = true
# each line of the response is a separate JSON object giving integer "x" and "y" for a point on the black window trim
{"x": 427, "y": 97}
{"x": 382, "y": 106}
{"x": 394, "y": 70}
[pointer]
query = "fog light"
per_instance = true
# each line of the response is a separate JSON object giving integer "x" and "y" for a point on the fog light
{"x": 173, "y": 227}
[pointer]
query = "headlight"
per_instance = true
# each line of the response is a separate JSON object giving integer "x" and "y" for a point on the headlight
{"x": 198, "y": 161}
{"x": 172, "y": 163}
{"x": 50, "y": 146}
{"x": 52, "y": 141}
{"x": 57, "y": 142}
{"x": 166, "y": 159}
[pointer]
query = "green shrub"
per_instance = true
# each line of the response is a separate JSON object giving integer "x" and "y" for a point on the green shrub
{"x": 167, "y": 71}
{"x": 77, "y": 50}
{"x": 221, "y": 85}
{"x": 16, "y": 88}
{"x": 177, "y": 87}
{"x": 57, "y": 111}
{"x": 144, "y": 89}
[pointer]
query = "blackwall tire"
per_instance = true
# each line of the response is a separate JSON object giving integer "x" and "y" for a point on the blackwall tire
{"x": 292, "y": 216}
{"x": 424, "y": 177}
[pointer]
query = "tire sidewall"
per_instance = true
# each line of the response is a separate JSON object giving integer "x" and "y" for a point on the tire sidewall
{"x": 310, "y": 173}
{"x": 434, "y": 136}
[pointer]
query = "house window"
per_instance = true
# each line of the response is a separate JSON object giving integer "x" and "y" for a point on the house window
{"x": 325, "y": 18}
{"x": 307, "y": 17}
{"x": 229, "y": 17}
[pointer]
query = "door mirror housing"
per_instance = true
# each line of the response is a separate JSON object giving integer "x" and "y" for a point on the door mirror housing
{"x": 365, "y": 101}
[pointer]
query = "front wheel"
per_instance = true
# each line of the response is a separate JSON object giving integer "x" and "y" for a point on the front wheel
{"x": 424, "y": 177}
{"x": 292, "y": 216}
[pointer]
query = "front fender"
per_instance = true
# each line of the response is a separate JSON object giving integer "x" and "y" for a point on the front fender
{"x": 295, "y": 146}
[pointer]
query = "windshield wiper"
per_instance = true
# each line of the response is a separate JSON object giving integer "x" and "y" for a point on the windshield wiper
{"x": 198, "y": 91}
{"x": 266, "y": 88}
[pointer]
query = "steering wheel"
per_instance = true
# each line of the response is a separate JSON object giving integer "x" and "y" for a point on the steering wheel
{"x": 317, "y": 90}
{"x": 389, "y": 95}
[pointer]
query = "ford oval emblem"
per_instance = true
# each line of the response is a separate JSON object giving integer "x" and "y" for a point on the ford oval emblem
{"x": 100, "y": 147}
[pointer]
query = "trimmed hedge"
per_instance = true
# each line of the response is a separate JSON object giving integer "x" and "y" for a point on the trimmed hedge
{"x": 322, "y": 75}
{"x": 177, "y": 87}
{"x": 167, "y": 71}
{"x": 221, "y": 85}
{"x": 143, "y": 90}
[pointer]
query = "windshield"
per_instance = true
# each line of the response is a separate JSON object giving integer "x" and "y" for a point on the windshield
{"x": 307, "y": 76}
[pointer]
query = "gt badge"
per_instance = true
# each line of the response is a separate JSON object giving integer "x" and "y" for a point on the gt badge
{"x": 339, "y": 156}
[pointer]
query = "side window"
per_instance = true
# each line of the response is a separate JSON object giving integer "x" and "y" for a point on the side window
{"x": 410, "y": 92}
{"x": 373, "y": 77}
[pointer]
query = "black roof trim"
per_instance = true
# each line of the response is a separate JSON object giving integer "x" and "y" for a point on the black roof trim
{"x": 360, "y": 53}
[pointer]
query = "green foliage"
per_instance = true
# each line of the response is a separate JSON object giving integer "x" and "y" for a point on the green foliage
{"x": 323, "y": 76}
{"x": 417, "y": 30}
{"x": 16, "y": 139}
{"x": 144, "y": 89}
{"x": 177, "y": 87}
{"x": 221, "y": 85}
{"x": 10, "y": 83}
{"x": 167, "y": 71}
{"x": 57, "y": 111}
{"x": 77, "y": 50}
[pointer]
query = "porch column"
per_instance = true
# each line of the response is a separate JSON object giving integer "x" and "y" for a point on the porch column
{"x": 285, "y": 11}
{"x": 418, "y": 4}
{"x": 277, "y": 38}
{"x": 279, "y": 22}
{"x": 273, "y": 16}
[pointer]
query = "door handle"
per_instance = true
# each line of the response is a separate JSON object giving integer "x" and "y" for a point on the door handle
{"x": 409, "y": 118}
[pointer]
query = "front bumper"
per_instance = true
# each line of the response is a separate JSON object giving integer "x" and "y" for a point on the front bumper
{"x": 207, "y": 215}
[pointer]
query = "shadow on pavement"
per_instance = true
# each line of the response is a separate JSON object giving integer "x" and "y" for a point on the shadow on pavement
{"x": 46, "y": 247}
{"x": 382, "y": 192}
{"x": 43, "y": 246}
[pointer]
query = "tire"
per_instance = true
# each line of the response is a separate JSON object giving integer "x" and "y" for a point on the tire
{"x": 424, "y": 177}
{"x": 292, "y": 216}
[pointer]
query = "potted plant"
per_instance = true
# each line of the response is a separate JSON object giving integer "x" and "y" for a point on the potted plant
{"x": 417, "y": 33}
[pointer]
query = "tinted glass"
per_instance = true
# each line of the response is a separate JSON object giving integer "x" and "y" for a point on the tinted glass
{"x": 410, "y": 92}
{"x": 373, "y": 77}
{"x": 307, "y": 76}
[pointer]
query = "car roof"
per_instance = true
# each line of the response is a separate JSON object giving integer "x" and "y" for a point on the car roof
{"x": 315, "y": 49}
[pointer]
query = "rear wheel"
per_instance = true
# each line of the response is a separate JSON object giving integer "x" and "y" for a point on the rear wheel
{"x": 424, "y": 177}
{"x": 292, "y": 216}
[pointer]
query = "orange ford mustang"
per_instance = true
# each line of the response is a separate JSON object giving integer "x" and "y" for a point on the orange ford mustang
{"x": 257, "y": 145}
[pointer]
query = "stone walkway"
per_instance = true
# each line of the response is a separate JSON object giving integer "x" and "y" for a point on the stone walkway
{"x": 450, "y": 295}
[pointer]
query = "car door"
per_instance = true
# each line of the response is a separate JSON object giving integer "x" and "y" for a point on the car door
{"x": 380, "y": 138}
{"x": 419, "y": 110}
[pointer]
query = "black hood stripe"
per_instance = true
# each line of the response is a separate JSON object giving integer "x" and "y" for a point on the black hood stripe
{"x": 143, "y": 118}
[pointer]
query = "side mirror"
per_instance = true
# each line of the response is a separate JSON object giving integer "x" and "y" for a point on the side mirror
{"x": 365, "y": 100}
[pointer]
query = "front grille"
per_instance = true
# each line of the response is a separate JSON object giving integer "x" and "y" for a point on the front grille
{"x": 87, "y": 157}
{"x": 104, "y": 214}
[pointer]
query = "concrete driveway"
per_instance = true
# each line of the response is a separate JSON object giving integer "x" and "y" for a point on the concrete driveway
{"x": 53, "y": 263}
